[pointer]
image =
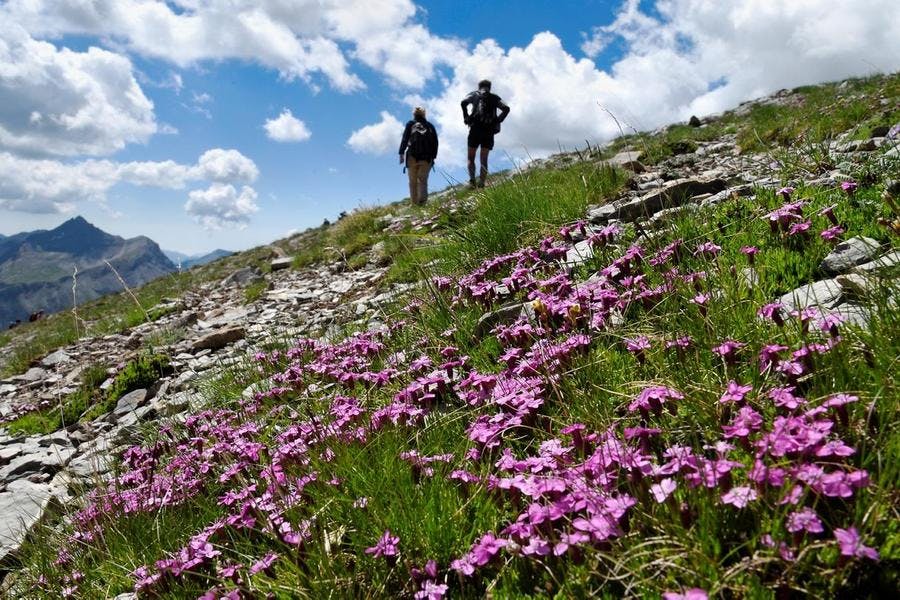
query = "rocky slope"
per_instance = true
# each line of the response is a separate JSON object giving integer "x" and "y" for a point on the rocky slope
{"x": 212, "y": 328}
{"x": 37, "y": 268}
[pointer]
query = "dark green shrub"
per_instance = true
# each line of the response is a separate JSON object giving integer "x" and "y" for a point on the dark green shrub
{"x": 139, "y": 373}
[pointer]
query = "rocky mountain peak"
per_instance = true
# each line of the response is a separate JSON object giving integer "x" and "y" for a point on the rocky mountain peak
{"x": 76, "y": 236}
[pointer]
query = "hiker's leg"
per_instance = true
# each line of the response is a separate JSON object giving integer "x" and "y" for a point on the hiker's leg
{"x": 424, "y": 171}
{"x": 472, "y": 151}
{"x": 411, "y": 172}
{"x": 484, "y": 165}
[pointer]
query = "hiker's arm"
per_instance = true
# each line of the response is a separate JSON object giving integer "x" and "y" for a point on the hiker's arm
{"x": 504, "y": 110}
{"x": 404, "y": 141}
{"x": 436, "y": 143}
{"x": 464, "y": 104}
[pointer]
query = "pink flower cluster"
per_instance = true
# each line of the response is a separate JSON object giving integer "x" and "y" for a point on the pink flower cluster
{"x": 572, "y": 489}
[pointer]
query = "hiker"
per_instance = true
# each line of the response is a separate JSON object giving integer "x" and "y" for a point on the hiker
{"x": 483, "y": 124}
{"x": 419, "y": 148}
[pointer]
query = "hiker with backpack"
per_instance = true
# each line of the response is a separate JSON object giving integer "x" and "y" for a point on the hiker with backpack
{"x": 484, "y": 123}
{"x": 419, "y": 148}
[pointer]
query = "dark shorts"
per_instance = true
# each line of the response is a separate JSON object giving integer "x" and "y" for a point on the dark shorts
{"x": 479, "y": 136}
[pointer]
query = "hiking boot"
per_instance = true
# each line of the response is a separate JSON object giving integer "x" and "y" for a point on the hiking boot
{"x": 481, "y": 180}
{"x": 472, "y": 183}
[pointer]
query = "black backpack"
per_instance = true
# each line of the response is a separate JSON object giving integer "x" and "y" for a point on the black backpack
{"x": 421, "y": 142}
{"x": 484, "y": 109}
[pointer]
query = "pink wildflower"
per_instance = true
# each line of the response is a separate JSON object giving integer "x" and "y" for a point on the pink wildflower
{"x": 386, "y": 546}
{"x": 735, "y": 392}
{"x": 832, "y": 233}
{"x": 806, "y": 520}
{"x": 851, "y": 544}
{"x": 739, "y": 497}
{"x": 662, "y": 490}
{"x": 264, "y": 564}
{"x": 688, "y": 594}
{"x": 849, "y": 187}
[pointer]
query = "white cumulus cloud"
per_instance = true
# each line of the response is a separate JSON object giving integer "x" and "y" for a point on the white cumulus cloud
{"x": 65, "y": 103}
{"x": 299, "y": 38}
{"x": 224, "y": 166}
{"x": 49, "y": 186}
{"x": 378, "y": 138}
{"x": 286, "y": 128}
{"x": 33, "y": 185}
{"x": 221, "y": 205}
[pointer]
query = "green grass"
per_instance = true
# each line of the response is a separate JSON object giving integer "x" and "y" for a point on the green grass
{"x": 822, "y": 113}
{"x": 516, "y": 212}
{"x": 255, "y": 291}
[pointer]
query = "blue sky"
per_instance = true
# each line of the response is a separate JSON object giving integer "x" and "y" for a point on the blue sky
{"x": 149, "y": 118}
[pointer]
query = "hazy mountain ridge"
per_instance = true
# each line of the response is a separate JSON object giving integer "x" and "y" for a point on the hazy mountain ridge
{"x": 186, "y": 261}
{"x": 37, "y": 268}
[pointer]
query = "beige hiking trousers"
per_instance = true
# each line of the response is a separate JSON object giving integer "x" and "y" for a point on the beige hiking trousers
{"x": 418, "y": 179}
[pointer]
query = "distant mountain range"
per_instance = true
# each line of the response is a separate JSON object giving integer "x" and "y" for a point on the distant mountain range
{"x": 186, "y": 261}
{"x": 36, "y": 267}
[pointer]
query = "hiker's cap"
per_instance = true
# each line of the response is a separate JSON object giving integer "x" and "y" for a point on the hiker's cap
{"x": 419, "y": 112}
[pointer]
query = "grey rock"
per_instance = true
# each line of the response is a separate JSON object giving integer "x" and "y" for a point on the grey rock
{"x": 7, "y": 388}
{"x": 57, "y": 438}
{"x": 674, "y": 193}
{"x": 88, "y": 466}
{"x": 505, "y": 314}
{"x": 719, "y": 197}
{"x": 45, "y": 460}
{"x": 379, "y": 254}
{"x": 130, "y": 401}
{"x": 849, "y": 253}
{"x": 891, "y": 259}
{"x": 341, "y": 286}
{"x": 134, "y": 341}
{"x": 224, "y": 318}
{"x": 21, "y": 506}
{"x": 820, "y": 182}
{"x": 749, "y": 277}
{"x": 171, "y": 404}
{"x": 855, "y": 146}
{"x": 9, "y": 452}
{"x": 184, "y": 320}
{"x": 33, "y": 374}
{"x": 279, "y": 264}
{"x": 218, "y": 339}
{"x": 55, "y": 358}
{"x": 601, "y": 214}
{"x": 825, "y": 293}
{"x": 627, "y": 160}
{"x": 244, "y": 277}
{"x": 579, "y": 253}
{"x": 892, "y": 187}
